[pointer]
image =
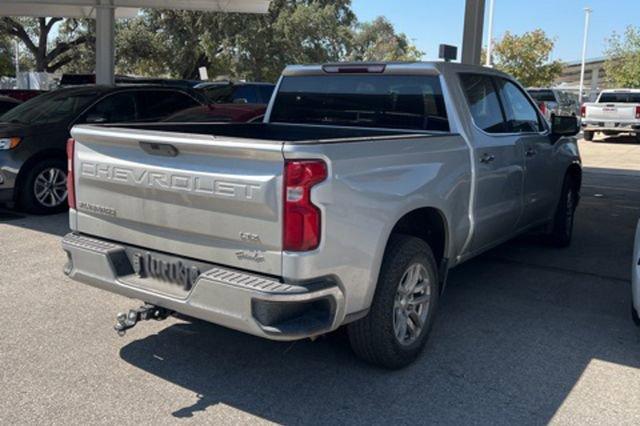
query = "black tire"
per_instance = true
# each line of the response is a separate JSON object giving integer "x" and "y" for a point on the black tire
{"x": 634, "y": 316}
{"x": 373, "y": 338}
{"x": 563, "y": 219}
{"x": 638, "y": 137}
{"x": 588, "y": 136}
{"x": 28, "y": 199}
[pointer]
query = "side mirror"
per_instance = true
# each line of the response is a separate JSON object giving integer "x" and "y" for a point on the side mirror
{"x": 564, "y": 125}
{"x": 96, "y": 118}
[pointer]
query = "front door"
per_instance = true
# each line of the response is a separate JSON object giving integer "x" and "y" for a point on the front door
{"x": 540, "y": 184}
{"x": 499, "y": 163}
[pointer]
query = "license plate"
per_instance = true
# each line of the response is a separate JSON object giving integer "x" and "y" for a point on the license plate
{"x": 166, "y": 269}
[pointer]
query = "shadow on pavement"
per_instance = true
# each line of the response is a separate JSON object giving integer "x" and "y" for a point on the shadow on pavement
{"x": 516, "y": 331}
{"x": 55, "y": 224}
{"x": 631, "y": 140}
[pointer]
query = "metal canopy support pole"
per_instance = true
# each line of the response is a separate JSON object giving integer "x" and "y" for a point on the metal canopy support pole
{"x": 105, "y": 46}
{"x": 473, "y": 29}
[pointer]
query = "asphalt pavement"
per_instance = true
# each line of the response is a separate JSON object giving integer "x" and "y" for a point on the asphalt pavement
{"x": 526, "y": 334}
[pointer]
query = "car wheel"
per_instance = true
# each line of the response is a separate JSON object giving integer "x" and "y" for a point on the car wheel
{"x": 397, "y": 327}
{"x": 562, "y": 226}
{"x": 44, "y": 189}
{"x": 588, "y": 136}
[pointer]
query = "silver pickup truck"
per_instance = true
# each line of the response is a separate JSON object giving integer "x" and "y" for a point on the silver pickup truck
{"x": 363, "y": 187}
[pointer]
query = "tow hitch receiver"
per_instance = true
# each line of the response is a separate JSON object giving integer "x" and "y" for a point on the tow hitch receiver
{"x": 146, "y": 312}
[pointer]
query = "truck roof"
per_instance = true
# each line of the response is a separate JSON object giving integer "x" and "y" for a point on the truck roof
{"x": 432, "y": 67}
{"x": 621, "y": 91}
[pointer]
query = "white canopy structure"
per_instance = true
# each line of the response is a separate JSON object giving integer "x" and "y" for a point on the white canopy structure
{"x": 106, "y": 11}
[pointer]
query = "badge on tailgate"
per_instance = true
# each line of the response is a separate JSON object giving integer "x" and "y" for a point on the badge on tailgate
{"x": 173, "y": 271}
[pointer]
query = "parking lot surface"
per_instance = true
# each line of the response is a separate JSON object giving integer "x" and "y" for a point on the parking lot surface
{"x": 526, "y": 334}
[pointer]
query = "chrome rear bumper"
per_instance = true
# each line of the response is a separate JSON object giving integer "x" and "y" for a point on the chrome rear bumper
{"x": 254, "y": 304}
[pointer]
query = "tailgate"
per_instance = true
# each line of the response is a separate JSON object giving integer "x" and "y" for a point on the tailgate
{"x": 197, "y": 196}
{"x": 611, "y": 112}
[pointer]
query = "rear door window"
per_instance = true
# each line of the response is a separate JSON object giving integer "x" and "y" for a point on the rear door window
{"x": 265, "y": 92}
{"x": 116, "y": 108}
{"x": 380, "y": 101}
{"x": 483, "y": 102}
{"x": 159, "y": 104}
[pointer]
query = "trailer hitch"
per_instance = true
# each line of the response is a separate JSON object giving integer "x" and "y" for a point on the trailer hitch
{"x": 147, "y": 312}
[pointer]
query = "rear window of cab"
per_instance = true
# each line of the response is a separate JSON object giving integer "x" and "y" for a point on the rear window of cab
{"x": 379, "y": 101}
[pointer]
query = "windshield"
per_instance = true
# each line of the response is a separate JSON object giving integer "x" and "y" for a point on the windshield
{"x": 380, "y": 101}
{"x": 52, "y": 107}
{"x": 542, "y": 95}
{"x": 619, "y": 98}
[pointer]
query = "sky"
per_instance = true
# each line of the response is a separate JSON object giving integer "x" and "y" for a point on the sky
{"x": 432, "y": 22}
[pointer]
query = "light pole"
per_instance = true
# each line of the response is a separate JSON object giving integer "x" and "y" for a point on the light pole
{"x": 490, "y": 41}
{"x": 587, "y": 16}
{"x": 17, "y": 46}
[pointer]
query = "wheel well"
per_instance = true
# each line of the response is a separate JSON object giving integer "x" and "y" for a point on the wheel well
{"x": 575, "y": 172}
{"x": 56, "y": 154}
{"x": 427, "y": 224}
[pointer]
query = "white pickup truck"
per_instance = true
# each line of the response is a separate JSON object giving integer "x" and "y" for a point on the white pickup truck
{"x": 348, "y": 206}
{"x": 614, "y": 112}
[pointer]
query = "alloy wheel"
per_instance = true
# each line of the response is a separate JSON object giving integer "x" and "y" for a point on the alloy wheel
{"x": 50, "y": 187}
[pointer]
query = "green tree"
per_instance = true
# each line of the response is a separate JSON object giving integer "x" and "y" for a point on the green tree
{"x": 7, "y": 67}
{"x": 527, "y": 58}
{"x": 75, "y": 38}
{"x": 623, "y": 58}
{"x": 247, "y": 46}
{"x": 378, "y": 41}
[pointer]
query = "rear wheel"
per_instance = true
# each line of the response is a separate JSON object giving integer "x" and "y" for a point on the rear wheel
{"x": 588, "y": 136}
{"x": 562, "y": 226}
{"x": 44, "y": 188}
{"x": 397, "y": 327}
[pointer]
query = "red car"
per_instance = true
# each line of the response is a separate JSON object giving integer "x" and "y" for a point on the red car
{"x": 21, "y": 95}
{"x": 231, "y": 113}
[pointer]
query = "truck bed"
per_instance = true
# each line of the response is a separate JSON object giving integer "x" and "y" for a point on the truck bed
{"x": 272, "y": 132}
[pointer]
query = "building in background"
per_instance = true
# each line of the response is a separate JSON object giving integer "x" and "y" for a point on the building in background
{"x": 594, "y": 78}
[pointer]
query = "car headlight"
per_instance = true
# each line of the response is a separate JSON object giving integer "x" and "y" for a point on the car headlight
{"x": 9, "y": 143}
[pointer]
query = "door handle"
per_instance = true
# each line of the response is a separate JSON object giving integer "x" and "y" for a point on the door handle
{"x": 487, "y": 158}
{"x": 531, "y": 152}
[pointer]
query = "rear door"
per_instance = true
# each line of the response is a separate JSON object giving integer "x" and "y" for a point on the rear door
{"x": 530, "y": 130}
{"x": 210, "y": 199}
{"x": 499, "y": 164}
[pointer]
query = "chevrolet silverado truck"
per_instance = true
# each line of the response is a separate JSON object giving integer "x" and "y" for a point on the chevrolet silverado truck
{"x": 348, "y": 205}
{"x": 614, "y": 112}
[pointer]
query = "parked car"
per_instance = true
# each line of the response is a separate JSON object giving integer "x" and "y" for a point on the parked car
{"x": 231, "y": 113}
{"x": 33, "y": 136}
{"x": 614, "y": 112}
{"x": 7, "y": 103}
{"x": 635, "y": 279}
{"x": 364, "y": 186}
{"x": 237, "y": 93}
{"x": 69, "y": 80}
{"x": 555, "y": 101}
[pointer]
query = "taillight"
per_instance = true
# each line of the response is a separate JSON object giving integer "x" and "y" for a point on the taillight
{"x": 301, "y": 217}
{"x": 583, "y": 111}
{"x": 71, "y": 187}
{"x": 543, "y": 108}
{"x": 638, "y": 112}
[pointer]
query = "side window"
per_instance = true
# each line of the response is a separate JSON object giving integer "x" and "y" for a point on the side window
{"x": 483, "y": 103}
{"x": 246, "y": 92}
{"x": 521, "y": 115}
{"x": 117, "y": 108}
{"x": 265, "y": 93}
{"x": 159, "y": 104}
